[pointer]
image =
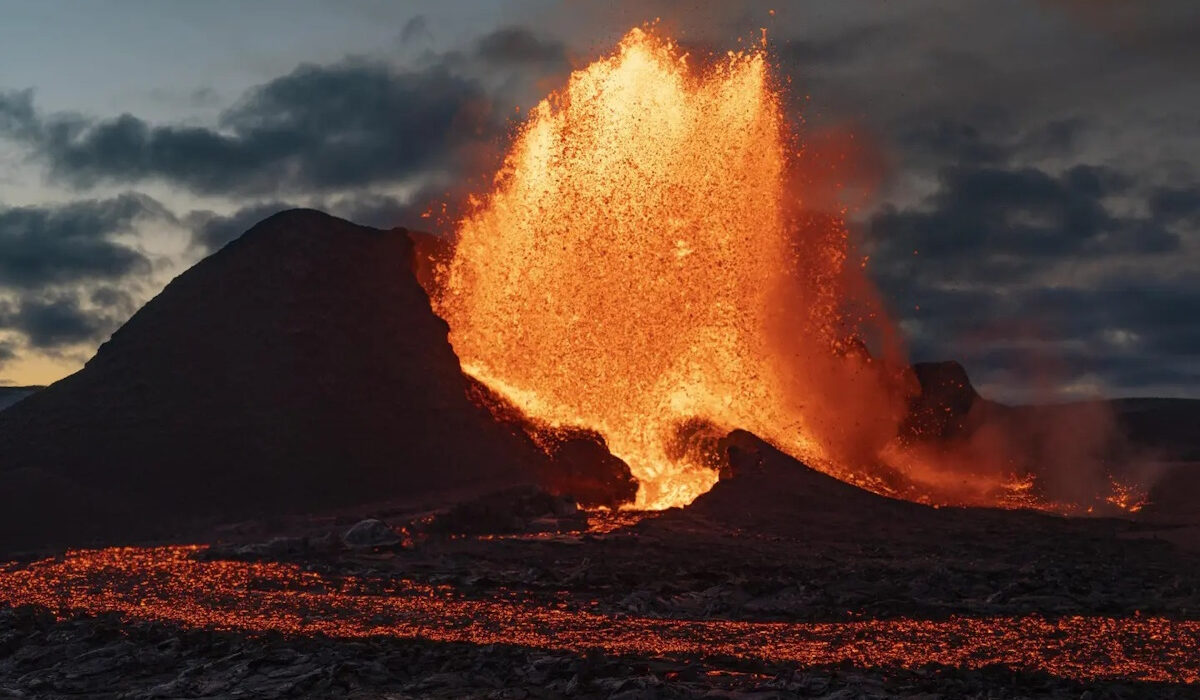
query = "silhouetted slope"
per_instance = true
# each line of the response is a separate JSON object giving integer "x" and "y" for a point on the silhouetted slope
{"x": 1171, "y": 426}
{"x": 429, "y": 252}
{"x": 9, "y": 395}
{"x": 299, "y": 367}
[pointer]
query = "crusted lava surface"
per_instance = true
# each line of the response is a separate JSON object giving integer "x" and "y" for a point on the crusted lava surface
{"x": 810, "y": 588}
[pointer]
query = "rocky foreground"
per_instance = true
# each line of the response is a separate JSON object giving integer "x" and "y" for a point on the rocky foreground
{"x": 106, "y": 657}
{"x": 521, "y": 595}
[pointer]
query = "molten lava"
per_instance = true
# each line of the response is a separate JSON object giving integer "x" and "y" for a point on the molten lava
{"x": 170, "y": 585}
{"x": 637, "y": 269}
{"x": 657, "y": 261}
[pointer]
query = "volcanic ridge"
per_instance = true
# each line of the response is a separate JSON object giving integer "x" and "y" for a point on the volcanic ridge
{"x": 299, "y": 368}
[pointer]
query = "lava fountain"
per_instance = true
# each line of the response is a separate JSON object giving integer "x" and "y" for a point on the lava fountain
{"x": 644, "y": 266}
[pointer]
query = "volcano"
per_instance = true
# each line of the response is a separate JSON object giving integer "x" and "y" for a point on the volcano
{"x": 639, "y": 426}
{"x": 298, "y": 368}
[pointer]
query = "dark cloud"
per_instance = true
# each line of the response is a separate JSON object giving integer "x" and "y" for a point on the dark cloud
{"x": 8, "y": 352}
{"x": 972, "y": 268}
{"x": 69, "y": 243}
{"x": 1163, "y": 31}
{"x": 1172, "y": 204}
{"x": 955, "y": 141}
{"x": 1050, "y": 367}
{"x": 380, "y": 211}
{"x": 1149, "y": 315}
{"x": 1134, "y": 336}
{"x": 518, "y": 45}
{"x": 317, "y": 128}
{"x": 211, "y": 231}
{"x": 18, "y": 118}
{"x": 415, "y": 29}
{"x": 996, "y": 223}
{"x": 55, "y": 323}
{"x": 808, "y": 52}
{"x": 989, "y": 138}
{"x": 1015, "y": 166}
{"x": 1133, "y": 333}
{"x": 203, "y": 97}
{"x": 113, "y": 298}
{"x": 1054, "y": 138}
{"x": 63, "y": 272}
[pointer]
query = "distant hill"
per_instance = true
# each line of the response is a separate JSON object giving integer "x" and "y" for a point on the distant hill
{"x": 9, "y": 395}
{"x": 1075, "y": 448}
{"x": 1172, "y": 426}
{"x": 949, "y": 406}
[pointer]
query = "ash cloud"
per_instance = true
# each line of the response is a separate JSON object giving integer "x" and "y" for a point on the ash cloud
{"x": 518, "y": 45}
{"x": 830, "y": 51}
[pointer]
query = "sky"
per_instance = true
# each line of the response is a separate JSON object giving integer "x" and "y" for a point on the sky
{"x": 1026, "y": 175}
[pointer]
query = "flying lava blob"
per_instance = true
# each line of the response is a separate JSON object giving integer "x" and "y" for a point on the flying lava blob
{"x": 644, "y": 267}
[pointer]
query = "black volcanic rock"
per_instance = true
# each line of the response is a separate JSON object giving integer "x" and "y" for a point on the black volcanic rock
{"x": 764, "y": 490}
{"x": 579, "y": 464}
{"x": 299, "y": 367}
{"x": 945, "y": 399}
{"x": 430, "y": 252}
{"x": 582, "y": 467}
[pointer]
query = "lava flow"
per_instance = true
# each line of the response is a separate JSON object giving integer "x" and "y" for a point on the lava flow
{"x": 167, "y": 584}
{"x": 644, "y": 267}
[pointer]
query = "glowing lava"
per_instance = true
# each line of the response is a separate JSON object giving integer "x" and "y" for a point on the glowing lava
{"x": 640, "y": 269}
{"x": 168, "y": 585}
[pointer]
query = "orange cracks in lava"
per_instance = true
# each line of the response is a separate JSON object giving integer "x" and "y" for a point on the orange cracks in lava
{"x": 166, "y": 585}
{"x": 642, "y": 268}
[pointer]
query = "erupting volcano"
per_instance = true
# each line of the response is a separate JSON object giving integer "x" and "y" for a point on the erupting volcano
{"x": 640, "y": 427}
{"x": 646, "y": 267}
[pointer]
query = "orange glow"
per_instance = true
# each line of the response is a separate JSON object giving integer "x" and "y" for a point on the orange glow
{"x": 642, "y": 265}
{"x": 1130, "y": 498}
{"x": 166, "y": 585}
{"x": 660, "y": 259}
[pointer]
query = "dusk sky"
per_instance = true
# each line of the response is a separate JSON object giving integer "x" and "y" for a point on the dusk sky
{"x": 1042, "y": 158}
